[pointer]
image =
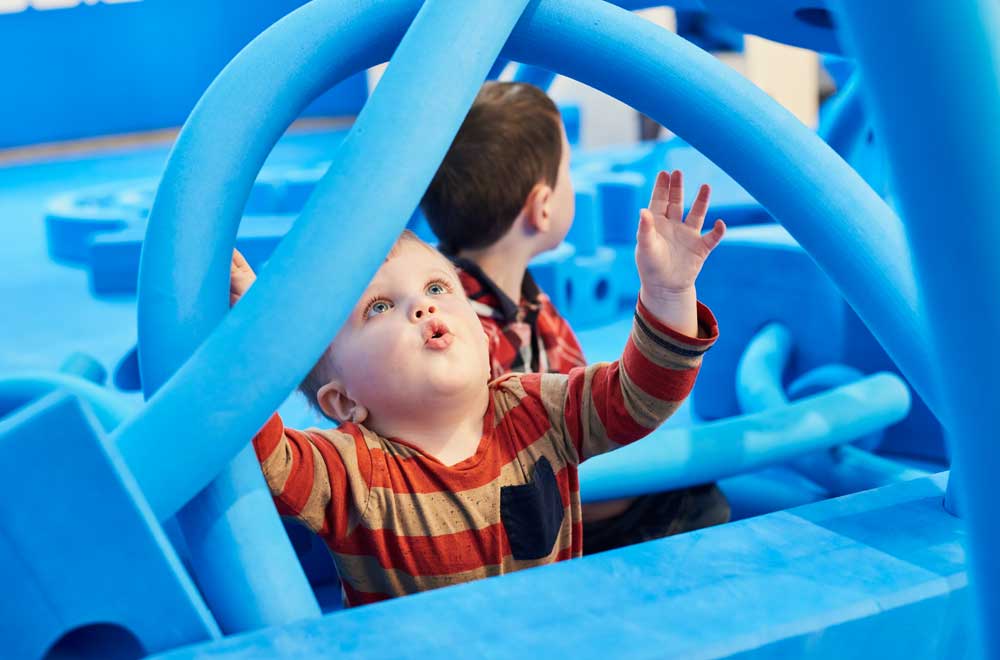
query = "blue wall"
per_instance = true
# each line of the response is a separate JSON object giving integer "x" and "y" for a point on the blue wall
{"x": 111, "y": 68}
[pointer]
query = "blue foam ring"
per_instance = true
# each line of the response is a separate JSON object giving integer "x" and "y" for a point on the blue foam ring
{"x": 840, "y": 471}
{"x": 957, "y": 268}
{"x": 677, "y": 458}
{"x": 72, "y": 220}
{"x": 845, "y": 226}
{"x": 178, "y": 267}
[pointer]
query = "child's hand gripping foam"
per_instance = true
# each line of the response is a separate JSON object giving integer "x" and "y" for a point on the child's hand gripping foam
{"x": 241, "y": 276}
{"x": 670, "y": 252}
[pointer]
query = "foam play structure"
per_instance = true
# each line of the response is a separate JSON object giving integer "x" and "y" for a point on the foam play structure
{"x": 848, "y": 330}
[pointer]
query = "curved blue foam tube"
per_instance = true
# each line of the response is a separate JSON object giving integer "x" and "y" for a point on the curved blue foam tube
{"x": 675, "y": 458}
{"x": 534, "y": 75}
{"x": 232, "y": 524}
{"x": 223, "y": 390}
{"x": 945, "y": 155}
{"x": 826, "y": 206}
{"x": 841, "y": 470}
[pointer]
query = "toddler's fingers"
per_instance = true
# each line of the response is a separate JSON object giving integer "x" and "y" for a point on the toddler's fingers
{"x": 699, "y": 209}
{"x": 661, "y": 193}
{"x": 714, "y": 237}
{"x": 647, "y": 227}
{"x": 675, "y": 202}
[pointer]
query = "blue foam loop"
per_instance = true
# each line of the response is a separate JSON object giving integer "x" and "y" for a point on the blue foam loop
{"x": 844, "y": 122}
{"x": 944, "y": 155}
{"x": 21, "y": 388}
{"x": 233, "y": 522}
{"x": 829, "y": 209}
{"x": 533, "y": 75}
{"x": 759, "y": 387}
{"x": 676, "y": 458}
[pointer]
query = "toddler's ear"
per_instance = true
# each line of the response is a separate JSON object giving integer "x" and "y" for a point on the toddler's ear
{"x": 336, "y": 404}
{"x": 537, "y": 208}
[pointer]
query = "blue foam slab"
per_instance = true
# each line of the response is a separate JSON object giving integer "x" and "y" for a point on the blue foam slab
{"x": 729, "y": 200}
{"x": 80, "y": 545}
{"x": 877, "y": 574}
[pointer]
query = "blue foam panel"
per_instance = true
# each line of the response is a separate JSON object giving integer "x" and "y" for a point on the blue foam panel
{"x": 827, "y": 580}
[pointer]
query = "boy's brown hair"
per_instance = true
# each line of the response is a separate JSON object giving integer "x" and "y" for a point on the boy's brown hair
{"x": 510, "y": 141}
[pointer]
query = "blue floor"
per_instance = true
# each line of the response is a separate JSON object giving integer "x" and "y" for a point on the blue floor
{"x": 50, "y": 312}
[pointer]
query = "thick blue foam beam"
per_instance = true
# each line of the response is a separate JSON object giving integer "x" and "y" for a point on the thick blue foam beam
{"x": 676, "y": 458}
{"x": 945, "y": 155}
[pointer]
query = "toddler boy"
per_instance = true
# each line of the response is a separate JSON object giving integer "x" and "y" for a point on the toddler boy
{"x": 437, "y": 476}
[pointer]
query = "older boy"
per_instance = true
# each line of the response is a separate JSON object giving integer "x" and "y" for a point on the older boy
{"x": 436, "y": 476}
{"x": 501, "y": 196}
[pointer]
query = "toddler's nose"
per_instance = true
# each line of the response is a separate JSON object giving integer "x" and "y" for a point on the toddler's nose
{"x": 421, "y": 311}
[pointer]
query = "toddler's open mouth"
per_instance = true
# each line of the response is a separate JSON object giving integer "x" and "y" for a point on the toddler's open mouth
{"x": 436, "y": 335}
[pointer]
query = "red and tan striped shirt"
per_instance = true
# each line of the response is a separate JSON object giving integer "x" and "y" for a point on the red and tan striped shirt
{"x": 398, "y": 521}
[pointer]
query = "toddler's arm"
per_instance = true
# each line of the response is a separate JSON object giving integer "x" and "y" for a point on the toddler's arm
{"x": 306, "y": 472}
{"x": 605, "y": 406}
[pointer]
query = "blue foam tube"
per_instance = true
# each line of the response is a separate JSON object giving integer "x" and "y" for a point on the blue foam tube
{"x": 231, "y": 524}
{"x": 945, "y": 155}
{"x": 840, "y": 470}
{"x": 534, "y": 75}
{"x": 675, "y": 458}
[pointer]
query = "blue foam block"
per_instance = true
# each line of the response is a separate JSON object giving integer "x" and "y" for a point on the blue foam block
{"x": 80, "y": 547}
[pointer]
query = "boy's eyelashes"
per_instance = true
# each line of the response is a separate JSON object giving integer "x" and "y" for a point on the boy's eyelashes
{"x": 379, "y": 304}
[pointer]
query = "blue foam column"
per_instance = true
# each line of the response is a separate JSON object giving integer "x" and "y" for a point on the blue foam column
{"x": 843, "y": 121}
{"x": 183, "y": 272}
{"x": 945, "y": 155}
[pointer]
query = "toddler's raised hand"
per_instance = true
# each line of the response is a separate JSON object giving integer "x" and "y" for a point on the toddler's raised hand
{"x": 241, "y": 276}
{"x": 670, "y": 251}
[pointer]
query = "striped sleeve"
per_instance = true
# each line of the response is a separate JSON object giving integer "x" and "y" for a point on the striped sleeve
{"x": 607, "y": 405}
{"x": 309, "y": 475}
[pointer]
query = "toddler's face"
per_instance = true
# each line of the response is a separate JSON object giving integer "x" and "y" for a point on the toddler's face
{"x": 413, "y": 339}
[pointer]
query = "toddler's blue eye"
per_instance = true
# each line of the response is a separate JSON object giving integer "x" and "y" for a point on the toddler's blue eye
{"x": 378, "y": 307}
{"x": 436, "y": 289}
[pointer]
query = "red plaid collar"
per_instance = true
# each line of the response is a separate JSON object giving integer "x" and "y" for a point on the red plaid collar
{"x": 480, "y": 288}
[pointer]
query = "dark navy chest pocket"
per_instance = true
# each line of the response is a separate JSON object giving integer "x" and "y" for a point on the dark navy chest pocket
{"x": 533, "y": 513}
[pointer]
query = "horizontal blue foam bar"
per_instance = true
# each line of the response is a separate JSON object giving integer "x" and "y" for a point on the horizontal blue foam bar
{"x": 674, "y": 458}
